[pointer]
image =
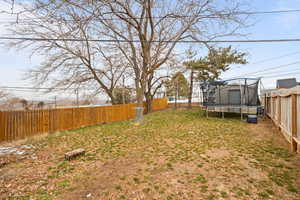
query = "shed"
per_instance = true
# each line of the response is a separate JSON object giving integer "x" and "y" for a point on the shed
{"x": 286, "y": 83}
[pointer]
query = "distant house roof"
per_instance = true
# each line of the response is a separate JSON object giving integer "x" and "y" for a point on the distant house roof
{"x": 286, "y": 83}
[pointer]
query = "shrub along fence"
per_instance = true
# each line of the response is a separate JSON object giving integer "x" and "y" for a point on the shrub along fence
{"x": 21, "y": 124}
{"x": 283, "y": 107}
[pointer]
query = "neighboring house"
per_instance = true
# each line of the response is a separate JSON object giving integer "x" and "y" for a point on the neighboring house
{"x": 286, "y": 83}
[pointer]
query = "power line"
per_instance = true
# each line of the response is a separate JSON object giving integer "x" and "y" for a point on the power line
{"x": 154, "y": 41}
{"x": 31, "y": 88}
{"x": 276, "y": 67}
{"x": 41, "y": 88}
{"x": 278, "y": 72}
{"x": 268, "y": 59}
{"x": 272, "y": 12}
{"x": 182, "y": 16}
{"x": 279, "y": 75}
{"x": 268, "y": 69}
{"x": 275, "y": 58}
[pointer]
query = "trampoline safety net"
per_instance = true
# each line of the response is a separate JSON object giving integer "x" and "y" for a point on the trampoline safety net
{"x": 233, "y": 92}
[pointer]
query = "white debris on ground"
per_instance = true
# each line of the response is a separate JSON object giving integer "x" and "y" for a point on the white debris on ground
{"x": 17, "y": 150}
{"x": 88, "y": 195}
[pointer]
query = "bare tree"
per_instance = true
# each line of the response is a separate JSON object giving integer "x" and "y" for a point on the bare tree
{"x": 41, "y": 105}
{"x": 189, "y": 66}
{"x": 25, "y": 104}
{"x": 145, "y": 32}
{"x": 152, "y": 28}
{"x": 154, "y": 83}
{"x": 8, "y": 101}
{"x": 67, "y": 64}
{"x": 158, "y": 78}
{"x": 3, "y": 95}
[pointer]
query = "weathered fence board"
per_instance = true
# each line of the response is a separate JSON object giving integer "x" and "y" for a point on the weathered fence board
{"x": 298, "y": 117}
{"x": 283, "y": 107}
{"x": 21, "y": 124}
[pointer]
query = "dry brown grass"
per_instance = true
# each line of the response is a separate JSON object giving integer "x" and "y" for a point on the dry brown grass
{"x": 172, "y": 155}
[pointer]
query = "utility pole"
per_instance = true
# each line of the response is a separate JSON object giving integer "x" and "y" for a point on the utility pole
{"x": 77, "y": 97}
{"x": 190, "y": 65}
{"x": 55, "y": 102}
{"x": 123, "y": 91}
{"x": 176, "y": 94}
{"x": 191, "y": 88}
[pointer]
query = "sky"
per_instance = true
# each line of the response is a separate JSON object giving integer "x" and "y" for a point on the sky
{"x": 261, "y": 56}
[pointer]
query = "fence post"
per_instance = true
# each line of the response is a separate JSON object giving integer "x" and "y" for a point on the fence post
{"x": 2, "y": 138}
{"x": 279, "y": 112}
{"x": 294, "y": 122}
{"x": 265, "y": 105}
{"x": 271, "y": 107}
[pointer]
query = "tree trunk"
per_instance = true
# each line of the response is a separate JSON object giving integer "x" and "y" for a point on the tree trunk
{"x": 191, "y": 89}
{"x": 111, "y": 96}
{"x": 149, "y": 99}
{"x": 176, "y": 94}
{"x": 139, "y": 105}
{"x": 113, "y": 102}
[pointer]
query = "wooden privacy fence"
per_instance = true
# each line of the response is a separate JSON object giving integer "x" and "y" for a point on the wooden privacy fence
{"x": 20, "y": 124}
{"x": 283, "y": 107}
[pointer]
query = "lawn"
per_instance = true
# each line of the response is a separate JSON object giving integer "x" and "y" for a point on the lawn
{"x": 172, "y": 155}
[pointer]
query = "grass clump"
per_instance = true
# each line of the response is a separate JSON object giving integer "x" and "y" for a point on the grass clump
{"x": 200, "y": 178}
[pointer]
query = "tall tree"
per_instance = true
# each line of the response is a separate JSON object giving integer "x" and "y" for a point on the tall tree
{"x": 3, "y": 95}
{"x": 190, "y": 67}
{"x": 67, "y": 64}
{"x": 210, "y": 67}
{"x": 154, "y": 83}
{"x": 145, "y": 32}
{"x": 217, "y": 61}
{"x": 123, "y": 95}
{"x": 25, "y": 104}
{"x": 178, "y": 86}
{"x": 41, "y": 105}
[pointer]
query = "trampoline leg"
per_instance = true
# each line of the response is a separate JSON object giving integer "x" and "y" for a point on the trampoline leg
{"x": 223, "y": 116}
{"x": 206, "y": 113}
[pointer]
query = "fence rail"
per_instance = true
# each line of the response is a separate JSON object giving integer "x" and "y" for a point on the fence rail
{"x": 283, "y": 107}
{"x": 21, "y": 124}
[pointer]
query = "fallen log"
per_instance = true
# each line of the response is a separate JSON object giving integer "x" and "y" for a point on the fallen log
{"x": 72, "y": 154}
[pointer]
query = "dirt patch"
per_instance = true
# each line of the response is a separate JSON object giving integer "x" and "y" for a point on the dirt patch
{"x": 112, "y": 180}
{"x": 265, "y": 130}
{"x": 250, "y": 171}
{"x": 219, "y": 153}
